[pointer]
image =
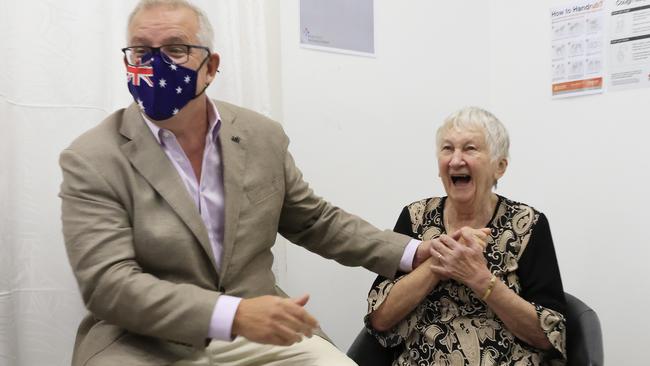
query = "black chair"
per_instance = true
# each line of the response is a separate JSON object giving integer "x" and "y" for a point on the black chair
{"x": 366, "y": 351}
{"x": 584, "y": 337}
{"x": 584, "y": 340}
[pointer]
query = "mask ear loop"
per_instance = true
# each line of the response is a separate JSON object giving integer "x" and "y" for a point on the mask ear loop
{"x": 202, "y": 91}
{"x": 197, "y": 71}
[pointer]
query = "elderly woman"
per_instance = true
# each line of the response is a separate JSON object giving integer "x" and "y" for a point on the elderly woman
{"x": 491, "y": 293}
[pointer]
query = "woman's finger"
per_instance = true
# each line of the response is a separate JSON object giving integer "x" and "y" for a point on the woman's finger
{"x": 448, "y": 242}
{"x": 472, "y": 237}
{"x": 440, "y": 247}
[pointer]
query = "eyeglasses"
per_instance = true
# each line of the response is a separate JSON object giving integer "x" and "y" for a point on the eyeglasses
{"x": 173, "y": 54}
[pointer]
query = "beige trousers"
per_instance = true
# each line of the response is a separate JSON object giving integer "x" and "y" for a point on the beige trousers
{"x": 314, "y": 351}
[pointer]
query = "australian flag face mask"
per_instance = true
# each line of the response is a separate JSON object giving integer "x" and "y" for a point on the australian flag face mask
{"x": 162, "y": 89}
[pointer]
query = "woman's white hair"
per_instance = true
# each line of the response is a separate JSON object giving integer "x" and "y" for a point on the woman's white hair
{"x": 496, "y": 136}
{"x": 205, "y": 34}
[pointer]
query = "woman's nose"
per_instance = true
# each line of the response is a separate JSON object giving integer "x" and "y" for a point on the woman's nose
{"x": 457, "y": 158}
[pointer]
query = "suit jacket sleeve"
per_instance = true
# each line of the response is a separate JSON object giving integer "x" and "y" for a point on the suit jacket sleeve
{"x": 99, "y": 242}
{"x": 380, "y": 290}
{"x": 310, "y": 221}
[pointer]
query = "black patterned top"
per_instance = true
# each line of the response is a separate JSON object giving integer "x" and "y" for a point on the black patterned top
{"x": 452, "y": 326}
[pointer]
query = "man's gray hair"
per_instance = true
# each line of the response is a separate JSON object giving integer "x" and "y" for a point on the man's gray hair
{"x": 205, "y": 34}
{"x": 496, "y": 136}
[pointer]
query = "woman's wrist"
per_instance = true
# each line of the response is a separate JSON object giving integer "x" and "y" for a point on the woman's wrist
{"x": 481, "y": 283}
{"x": 490, "y": 288}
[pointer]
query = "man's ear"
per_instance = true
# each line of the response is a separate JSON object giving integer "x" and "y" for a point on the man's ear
{"x": 212, "y": 67}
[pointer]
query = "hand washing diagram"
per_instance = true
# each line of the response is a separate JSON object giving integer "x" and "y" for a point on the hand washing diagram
{"x": 576, "y": 49}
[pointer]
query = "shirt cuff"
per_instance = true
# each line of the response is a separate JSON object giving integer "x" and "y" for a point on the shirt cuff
{"x": 223, "y": 316}
{"x": 406, "y": 264}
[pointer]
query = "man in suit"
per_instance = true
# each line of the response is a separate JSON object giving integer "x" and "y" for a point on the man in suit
{"x": 170, "y": 208}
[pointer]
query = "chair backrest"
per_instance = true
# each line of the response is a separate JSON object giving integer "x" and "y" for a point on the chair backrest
{"x": 584, "y": 336}
{"x": 584, "y": 340}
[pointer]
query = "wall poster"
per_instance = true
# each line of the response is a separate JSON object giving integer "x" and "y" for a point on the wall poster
{"x": 629, "y": 45}
{"x": 577, "y": 49}
{"x": 344, "y": 26}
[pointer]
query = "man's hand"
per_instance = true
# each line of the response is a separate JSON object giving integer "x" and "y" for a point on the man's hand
{"x": 273, "y": 320}
{"x": 422, "y": 253}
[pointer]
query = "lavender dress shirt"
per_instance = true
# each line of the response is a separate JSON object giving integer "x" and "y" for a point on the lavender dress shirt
{"x": 208, "y": 196}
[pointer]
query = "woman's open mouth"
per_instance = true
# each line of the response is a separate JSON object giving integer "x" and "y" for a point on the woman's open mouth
{"x": 460, "y": 179}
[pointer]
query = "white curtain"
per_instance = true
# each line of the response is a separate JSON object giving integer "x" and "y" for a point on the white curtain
{"x": 61, "y": 72}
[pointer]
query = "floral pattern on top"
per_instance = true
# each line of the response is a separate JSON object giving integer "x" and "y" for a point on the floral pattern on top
{"x": 452, "y": 326}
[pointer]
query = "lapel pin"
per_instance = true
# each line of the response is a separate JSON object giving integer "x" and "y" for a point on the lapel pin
{"x": 235, "y": 139}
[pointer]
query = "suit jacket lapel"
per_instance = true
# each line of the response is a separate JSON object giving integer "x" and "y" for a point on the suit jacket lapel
{"x": 232, "y": 140}
{"x": 150, "y": 160}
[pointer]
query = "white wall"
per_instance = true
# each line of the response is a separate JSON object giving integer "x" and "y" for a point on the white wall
{"x": 362, "y": 128}
{"x": 584, "y": 162}
{"x": 362, "y": 131}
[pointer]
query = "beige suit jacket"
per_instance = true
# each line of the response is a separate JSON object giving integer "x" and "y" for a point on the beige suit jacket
{"x": 140, "y": 251}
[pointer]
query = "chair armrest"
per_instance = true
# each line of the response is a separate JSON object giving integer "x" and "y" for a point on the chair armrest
{"x": 366, "y": 351}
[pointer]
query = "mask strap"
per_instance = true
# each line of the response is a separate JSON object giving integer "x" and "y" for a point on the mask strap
{"x": 203, "y": 62}
{"x": 201, "y": 92}
{"x": 197, "y": 72}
